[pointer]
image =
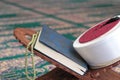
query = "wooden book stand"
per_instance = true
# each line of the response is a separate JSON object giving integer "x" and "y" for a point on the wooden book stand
{"x": 61, "y": 72}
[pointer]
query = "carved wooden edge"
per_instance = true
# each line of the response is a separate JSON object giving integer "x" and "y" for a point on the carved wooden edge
{"x": 21, "y": 33}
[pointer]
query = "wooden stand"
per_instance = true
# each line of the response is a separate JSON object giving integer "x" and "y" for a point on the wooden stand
{"x": 62, "y": 72}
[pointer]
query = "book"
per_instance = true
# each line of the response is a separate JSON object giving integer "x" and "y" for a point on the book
{"x": 59, "y": 48}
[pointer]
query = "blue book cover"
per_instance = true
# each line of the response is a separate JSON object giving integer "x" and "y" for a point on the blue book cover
{"x": 61, "y": 44}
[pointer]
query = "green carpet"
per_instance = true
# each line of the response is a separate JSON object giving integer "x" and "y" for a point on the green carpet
{"x": 68, "y": 17}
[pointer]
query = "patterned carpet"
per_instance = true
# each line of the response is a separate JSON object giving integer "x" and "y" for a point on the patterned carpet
{"x": 68, "y": 17}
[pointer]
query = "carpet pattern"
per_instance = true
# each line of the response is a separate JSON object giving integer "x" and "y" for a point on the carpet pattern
{"x": 68, "y": 17}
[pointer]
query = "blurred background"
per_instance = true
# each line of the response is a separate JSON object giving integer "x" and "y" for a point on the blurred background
{"x": 68, "y": 17}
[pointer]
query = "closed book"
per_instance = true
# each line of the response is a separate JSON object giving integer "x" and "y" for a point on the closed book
{"x": 59, "y": 48}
